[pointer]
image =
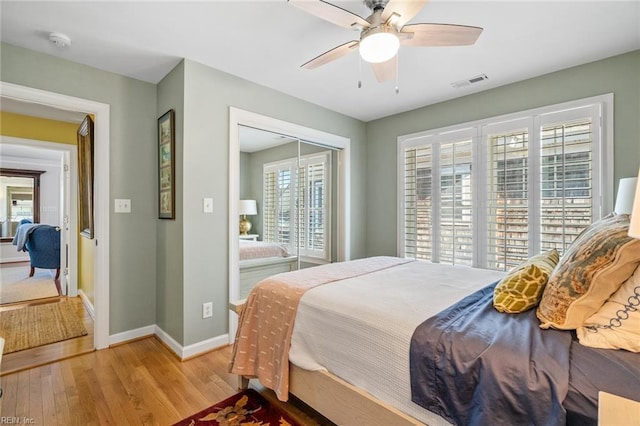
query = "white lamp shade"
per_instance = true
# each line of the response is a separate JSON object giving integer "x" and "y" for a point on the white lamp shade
{"x": 625, "y": 196}
{"x": 249, "y": 207}
{"x": 634, "y": 227}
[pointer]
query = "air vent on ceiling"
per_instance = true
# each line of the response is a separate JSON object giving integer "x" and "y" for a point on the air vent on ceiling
{"x": 470, "y": 81}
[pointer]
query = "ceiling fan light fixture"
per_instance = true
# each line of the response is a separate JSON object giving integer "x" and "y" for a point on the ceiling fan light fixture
{"x": 379, "y": 45}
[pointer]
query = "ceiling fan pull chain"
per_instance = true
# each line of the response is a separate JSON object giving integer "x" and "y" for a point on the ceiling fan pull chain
{"x": 397, "y": 73}
{"x": 359, "y": 72}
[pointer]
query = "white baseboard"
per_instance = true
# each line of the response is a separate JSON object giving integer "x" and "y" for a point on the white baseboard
{"x": 87, "y": 304}
{"x": 125, "y": 336}
{"x": 14, "y": 259}
{"x": 195, "y": 349}
{"x": 182, "y": 352}
{"x": 205, "y": 346}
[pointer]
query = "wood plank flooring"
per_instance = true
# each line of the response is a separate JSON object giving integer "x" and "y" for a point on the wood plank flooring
{"x": 137, "y": 383}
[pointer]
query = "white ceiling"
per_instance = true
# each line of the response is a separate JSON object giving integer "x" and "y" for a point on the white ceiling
{"x": 266, "y": 41}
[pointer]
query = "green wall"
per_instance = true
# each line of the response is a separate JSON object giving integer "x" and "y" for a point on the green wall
{"x": 169, "y": 247}
{"x": 619, "y": 75}
{"x": 133, "y": 172}
{"x": 208, "y": 94}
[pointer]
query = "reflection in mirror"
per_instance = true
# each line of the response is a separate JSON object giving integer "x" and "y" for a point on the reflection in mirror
{"x": 293, "y": 185}
{"x": 19, "y": 199}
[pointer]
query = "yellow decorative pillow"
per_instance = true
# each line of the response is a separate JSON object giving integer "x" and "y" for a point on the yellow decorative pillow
{"x": 617, "y": 324}
{"x": 522, "y": 288}
{"x": 593, "y": 268}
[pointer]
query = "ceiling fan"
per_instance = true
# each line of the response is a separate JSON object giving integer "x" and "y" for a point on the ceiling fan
{"x": 384, "y": 31}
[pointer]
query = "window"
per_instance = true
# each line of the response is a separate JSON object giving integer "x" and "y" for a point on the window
{"x": 296, "y": 202}
{"x": 493, "y": 193}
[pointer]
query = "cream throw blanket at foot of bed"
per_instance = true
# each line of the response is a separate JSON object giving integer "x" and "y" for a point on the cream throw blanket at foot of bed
{"x": 261, "y": 348}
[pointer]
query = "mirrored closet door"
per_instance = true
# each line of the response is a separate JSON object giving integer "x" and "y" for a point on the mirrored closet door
{"x": 287, "y": 194}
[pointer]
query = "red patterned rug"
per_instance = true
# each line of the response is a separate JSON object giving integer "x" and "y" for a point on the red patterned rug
{"x": 247, "y": 408}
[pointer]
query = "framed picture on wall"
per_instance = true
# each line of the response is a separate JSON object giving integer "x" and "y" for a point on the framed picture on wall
{"x": 166, "y": 165}
{"x": 85, "y": 177}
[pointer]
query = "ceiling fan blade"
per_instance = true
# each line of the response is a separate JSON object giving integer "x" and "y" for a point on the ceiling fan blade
{"x": 439, "y": 35}
{"x": 385, "y": 70}
{"x": 329, "y": 12}
{"x": 405, "y": 9}
{"x": 331, "y": 55}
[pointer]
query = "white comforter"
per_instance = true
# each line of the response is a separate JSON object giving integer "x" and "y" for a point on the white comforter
{"x": 360, "y": 329}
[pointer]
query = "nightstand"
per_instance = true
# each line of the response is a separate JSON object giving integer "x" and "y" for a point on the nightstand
{"x": 252, "y": 237}
{"x": 616, "y": 410}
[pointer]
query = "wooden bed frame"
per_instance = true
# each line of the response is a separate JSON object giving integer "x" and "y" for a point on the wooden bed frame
{"x": 336, "y": 399}
{"x": 341, "y": 402}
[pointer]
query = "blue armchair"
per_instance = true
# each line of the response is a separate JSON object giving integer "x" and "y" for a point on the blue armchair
{"x": 42, "y": 242}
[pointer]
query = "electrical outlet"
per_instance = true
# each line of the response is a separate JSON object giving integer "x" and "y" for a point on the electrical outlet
{"x": 207, "y": 310}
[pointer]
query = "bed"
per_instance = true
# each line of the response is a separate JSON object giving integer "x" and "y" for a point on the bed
{"x": 348, "y": 352}
{"x": 259, "y": 260}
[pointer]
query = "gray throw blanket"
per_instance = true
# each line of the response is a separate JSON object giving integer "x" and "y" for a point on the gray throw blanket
{"x": 476, "y": 366}
{"x": 23, "y": 232}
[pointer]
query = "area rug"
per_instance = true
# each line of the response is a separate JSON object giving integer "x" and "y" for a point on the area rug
{"x": 17, "y": 286}
{"x": 39, "y": 325}
{"x": 242, "y": 409}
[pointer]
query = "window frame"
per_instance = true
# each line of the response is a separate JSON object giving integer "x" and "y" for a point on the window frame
{"x": 534, "y": 120}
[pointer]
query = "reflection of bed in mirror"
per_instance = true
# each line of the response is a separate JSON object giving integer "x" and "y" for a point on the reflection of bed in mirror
{"x": 259, "y": 260}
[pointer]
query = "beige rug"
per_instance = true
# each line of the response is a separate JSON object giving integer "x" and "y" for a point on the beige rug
{"x": 17, "y": 286}
{"x": 39, "y": 325}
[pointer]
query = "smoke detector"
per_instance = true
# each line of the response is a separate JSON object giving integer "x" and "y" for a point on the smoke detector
{"x": 60, "y": 40}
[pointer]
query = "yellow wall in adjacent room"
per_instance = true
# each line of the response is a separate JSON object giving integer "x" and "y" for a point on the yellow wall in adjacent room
{"x": 42, "y": 129}
{"x": 86, "y": 251}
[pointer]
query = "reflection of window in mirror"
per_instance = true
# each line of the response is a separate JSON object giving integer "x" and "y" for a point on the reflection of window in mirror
{"x": 297, "y": 204}
{"x": 19, "y": 199}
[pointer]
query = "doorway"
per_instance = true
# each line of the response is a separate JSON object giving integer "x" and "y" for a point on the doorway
{"x": 101, "y": 113}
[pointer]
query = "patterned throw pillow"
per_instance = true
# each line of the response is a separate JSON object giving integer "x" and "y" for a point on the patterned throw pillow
{"x": 522, "y": 288}
{"x": 592, "y": 269}
{"x": 617, "y": 324}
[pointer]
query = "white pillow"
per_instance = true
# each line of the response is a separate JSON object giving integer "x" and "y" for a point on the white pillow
{"x": 625, "y": 332}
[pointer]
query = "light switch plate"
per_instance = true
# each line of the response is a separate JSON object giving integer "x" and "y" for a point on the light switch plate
{"x": 207, "y": 205}
{"x": 122, "y": 205}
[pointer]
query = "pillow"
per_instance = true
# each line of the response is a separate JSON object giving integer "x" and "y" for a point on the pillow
{"x": 617, "y": 324}
{"x": 593, "y": 268}
{"x": 522, "y": 288}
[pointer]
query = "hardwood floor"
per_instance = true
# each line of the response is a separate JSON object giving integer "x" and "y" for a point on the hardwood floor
{"x": 136, "y": 383}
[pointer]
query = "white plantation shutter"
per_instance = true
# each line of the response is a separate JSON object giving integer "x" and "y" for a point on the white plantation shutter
{"x": 508, "y": 201}
{"x": 314, "y": 205}
{"x": 456, "y": 207}
{"x": 418, "y": 202}
{"x": 437, "y": 198}
{"x": 278, "y": 196}
{"x": 269, "y": 205}
{"x": 493, "y": 193}
{"x": 308, "y": 193}
{"x": 567, "y": 179}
